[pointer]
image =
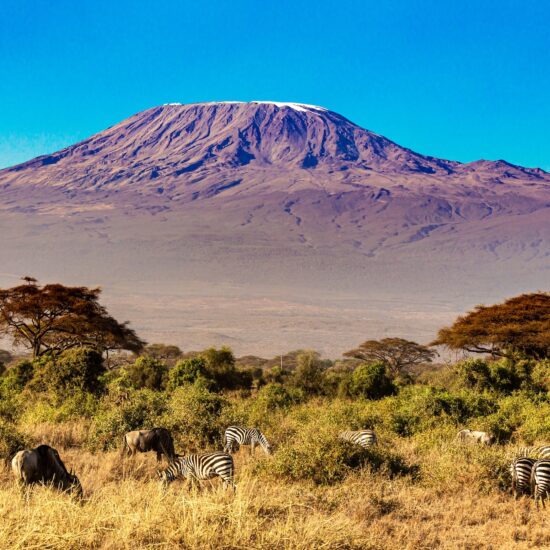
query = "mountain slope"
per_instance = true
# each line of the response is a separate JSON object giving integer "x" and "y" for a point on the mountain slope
{"x": 244, "y": 201}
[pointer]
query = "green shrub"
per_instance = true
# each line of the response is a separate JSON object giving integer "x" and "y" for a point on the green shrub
{"x": 309, "y": 375}
{"x": 276, "y": 396}
{"x": 186, "y": 371}
{"x": 541, "y": 375}
{"x": 142, "y": 409}
{"x": 147, "y": 372}
{"x": 12, "y": 403}
{"x": 75, "y": 406}
{"x": 319, "y": 456}
{"x": 193, "y": 414}
{"x": 503, "y": 376}
{"x": 370, "y": 381}
{"x": 18, "y": 376}
{"x": 11, "y": 440}
{"x": 74, "y": 370}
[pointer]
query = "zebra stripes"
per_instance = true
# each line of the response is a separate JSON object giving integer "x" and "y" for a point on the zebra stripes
{"x": 521, "y": 469}
{"x": 533, "y": 452}
{"x": 365, "y": 438}
{"x": 235, "y": 436}
{"x": 540, "y": 481}
{"x": 200, "y": 467}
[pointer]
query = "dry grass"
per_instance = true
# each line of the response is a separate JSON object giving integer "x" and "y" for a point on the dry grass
{"x": 125, "y": 508}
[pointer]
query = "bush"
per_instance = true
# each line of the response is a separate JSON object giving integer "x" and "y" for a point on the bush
{"x": 19, "y": 375}
{"x": 73, "y": 371}
{"x": 220, "y": 367}
{"x": 276, "y": 396}
{"x": 194, "y": 413}
{"x": 503, "y": 376}
{"x": 142, "y": 409}
{"x": 309, "y": 375}
{"x": 11, "y": 440}
{"x": 75, "y": 406}
{"x": 523, "y": 416}
{"x": 370, "y": 381}
{"x": 186, "y": 371}
{"x": 313, "y": 455}
{"x": 319, "y": 456}
{"x": 148, "y": 373}
{"x": 541, "y": 375}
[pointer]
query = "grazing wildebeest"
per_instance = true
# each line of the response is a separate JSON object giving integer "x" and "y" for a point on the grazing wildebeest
{"x": 158, "y": 440}
{"x": 44, "y": 465}
{"x": 478, "y": 437}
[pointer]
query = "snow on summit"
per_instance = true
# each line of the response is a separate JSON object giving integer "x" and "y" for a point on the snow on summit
{"x": 302, "y": 107}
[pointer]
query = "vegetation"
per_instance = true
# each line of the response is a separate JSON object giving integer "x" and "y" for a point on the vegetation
{"x": 396, "y": 353}
{"x": 520, "y": 327}
{"x": 53, "y": 318}
{"x": 417, "y": 488}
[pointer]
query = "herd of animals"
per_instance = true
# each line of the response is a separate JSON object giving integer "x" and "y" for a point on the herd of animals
{"x": 529, "y": 469}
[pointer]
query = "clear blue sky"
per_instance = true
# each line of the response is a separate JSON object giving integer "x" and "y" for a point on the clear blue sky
{"x": 459, "y": 79}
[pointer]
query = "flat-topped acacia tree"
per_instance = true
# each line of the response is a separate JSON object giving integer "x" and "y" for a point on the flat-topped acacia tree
{"x": 519, "y": 327}
{"x": 53, "y": 318}
{"x": 396, "y": 353}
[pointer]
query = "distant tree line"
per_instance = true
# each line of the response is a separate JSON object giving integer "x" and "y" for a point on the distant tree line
{"x": 69, "y": 334}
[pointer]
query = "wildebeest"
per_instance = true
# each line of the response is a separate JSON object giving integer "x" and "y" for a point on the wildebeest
{"x": 476, "y": 437}
{"x": 44, "y": 465}
{"x": 158, "y": 440}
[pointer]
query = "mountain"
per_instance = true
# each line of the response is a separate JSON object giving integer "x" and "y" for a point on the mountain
{"x": 224, "y": 222}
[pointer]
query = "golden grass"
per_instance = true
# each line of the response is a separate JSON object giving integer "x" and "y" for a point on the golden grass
{"x": 125, "y": 507}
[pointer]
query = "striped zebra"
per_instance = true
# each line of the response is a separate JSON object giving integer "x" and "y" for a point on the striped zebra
{"x": 200, "y": 467}
{"x": 521, "y": 469}
{"x": 365, "y": 438}
{"x": 540, "y": 481}
{"x": 235, "y": 436}
{"x": 532, "y": 452}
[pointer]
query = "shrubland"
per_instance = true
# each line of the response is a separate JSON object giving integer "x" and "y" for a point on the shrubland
{"x": 419, "y": 487}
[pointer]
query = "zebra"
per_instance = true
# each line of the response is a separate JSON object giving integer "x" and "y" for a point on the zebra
{"x": 532, "y": 452}
{"x": 540, "y": 481}
{"x": 245, "y": 436}
{"x": 521, "y": 469}
{"x": 365, "y": 438}
{"x": 198, "y": 467}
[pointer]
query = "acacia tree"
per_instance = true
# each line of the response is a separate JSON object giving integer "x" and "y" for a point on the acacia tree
{"x": 396, "y": 353}
{"x": 53, "y": 318}
{"x": 518, "y": 327}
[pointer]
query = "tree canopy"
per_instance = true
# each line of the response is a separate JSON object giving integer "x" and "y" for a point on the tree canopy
{"x": 53, "y": 318}
{"x": 396, "y": 353}
{"x": 518, "y": 327}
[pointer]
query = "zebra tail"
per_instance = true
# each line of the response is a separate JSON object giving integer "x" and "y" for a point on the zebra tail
{"x": 533, "y": 483}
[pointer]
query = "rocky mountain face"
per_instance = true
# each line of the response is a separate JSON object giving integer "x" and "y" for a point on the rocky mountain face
{"x": 269, "y": 199}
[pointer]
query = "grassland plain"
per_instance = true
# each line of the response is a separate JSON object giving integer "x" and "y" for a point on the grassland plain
{"x": 458, "y": 499}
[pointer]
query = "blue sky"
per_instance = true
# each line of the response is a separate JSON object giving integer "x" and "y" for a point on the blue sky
{"x": 457, "y": 79}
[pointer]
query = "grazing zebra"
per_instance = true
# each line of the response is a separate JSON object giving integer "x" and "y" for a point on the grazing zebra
{"x": 533, "y": 452}
{"x": 521, "y": 469}
{"x": 540, "y": 481}
{"x": 365, "y": 438}
{"x": 200, "y": 467}
{"x": 237, "y": 436}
